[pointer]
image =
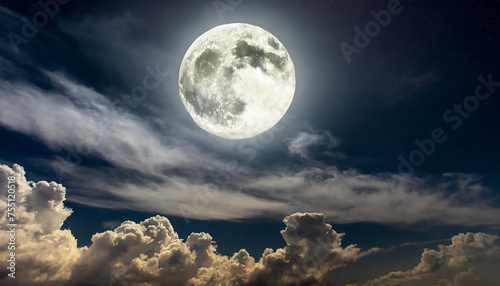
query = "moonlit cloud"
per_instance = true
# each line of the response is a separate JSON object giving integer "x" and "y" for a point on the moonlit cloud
{"x": 44, "y": 252}
{"x": 185, "y": 174}
{"x": 152, "y": 253}
{"x": 343, "y": 196}
{"x": 304, "y": 140}
{"x": 73, "y": 111}
{"x": 84, "y": 122}
{"x": 466, "y": 251}
{"x": 351, "y": 196}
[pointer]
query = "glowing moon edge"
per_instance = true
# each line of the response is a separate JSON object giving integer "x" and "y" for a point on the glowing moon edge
{"x": 237, "y": 81}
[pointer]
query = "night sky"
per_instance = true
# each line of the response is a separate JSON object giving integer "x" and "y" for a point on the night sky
{"x": 391, "y": 140}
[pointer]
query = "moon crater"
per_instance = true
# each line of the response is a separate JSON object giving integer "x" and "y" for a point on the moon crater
{"x": 236, "y": 81}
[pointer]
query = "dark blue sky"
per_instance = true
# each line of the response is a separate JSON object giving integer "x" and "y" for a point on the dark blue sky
{"x": 339, "y": 146}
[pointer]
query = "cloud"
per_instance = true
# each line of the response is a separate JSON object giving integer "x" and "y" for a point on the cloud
{"x": 44, "y": 252}
{"x": 152, "y": 253}
{"x": 111, "y": 224}
{"x": 179, "y": 176}
{"x": 417, "y": 81}
{"x": 344, "y": 196}
{"x": 301, "y": 144}
{"x": 350, "y": 196}
{"x": 84, "y": 122}
{"x": 459, "y": 258}
{"x": 408, "y": 84}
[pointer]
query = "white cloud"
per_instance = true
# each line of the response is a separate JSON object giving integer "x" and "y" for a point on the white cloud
{"x": 84, "y": 120}
{"x": 351, "y": 196}
{"x": 343, "y": 196}
{"x": 151, "y": 252}
{"x": 458, "y": 258}
{"x": 44, "y": 253}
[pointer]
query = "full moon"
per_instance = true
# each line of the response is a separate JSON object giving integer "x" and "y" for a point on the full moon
{"x": 236, "y": 81}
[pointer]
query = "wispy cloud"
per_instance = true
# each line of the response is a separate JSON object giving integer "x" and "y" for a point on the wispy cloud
{"x": 343, "y": 196}
{"x": 173, "y": 170}
{"x": 301, "y": 143}
{"x": 85, "y": 122}
{"x": 111, "y": 224}
{"x": 407, "y": 85}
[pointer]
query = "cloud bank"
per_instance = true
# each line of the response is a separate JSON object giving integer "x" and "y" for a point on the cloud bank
{"x": 151, "y": 252}
{"x": 465, "y": 251}
{"x": 180, "y": 176}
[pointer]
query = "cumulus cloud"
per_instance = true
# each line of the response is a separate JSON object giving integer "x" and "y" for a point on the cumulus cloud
{"x": 151, "y": 252}
{"x": 459, "y": 258}
{"x": 45, "y": 253}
